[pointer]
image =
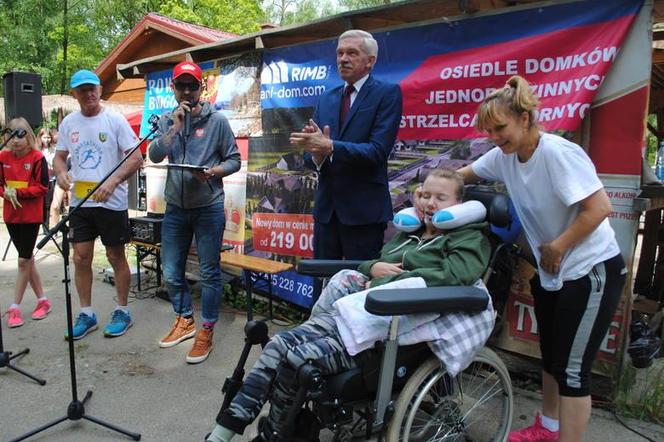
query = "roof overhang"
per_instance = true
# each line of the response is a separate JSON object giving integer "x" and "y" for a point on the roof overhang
{"x": 141, "y": 32}
{"x": 371, "y": 19}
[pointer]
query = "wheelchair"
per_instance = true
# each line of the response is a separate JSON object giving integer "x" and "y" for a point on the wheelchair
{"x": 404, "y": 393}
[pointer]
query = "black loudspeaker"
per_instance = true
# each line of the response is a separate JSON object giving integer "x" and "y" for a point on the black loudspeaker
{"x": 137, "y": 190}
{"x": 23, "y": 97}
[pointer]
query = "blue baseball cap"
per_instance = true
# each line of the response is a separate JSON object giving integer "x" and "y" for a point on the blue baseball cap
{"x": 84, "y": 77}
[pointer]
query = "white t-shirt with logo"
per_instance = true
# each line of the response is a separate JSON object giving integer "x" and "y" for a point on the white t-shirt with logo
{"x": 546, "y": 191}
{"x": 95, "y": 145}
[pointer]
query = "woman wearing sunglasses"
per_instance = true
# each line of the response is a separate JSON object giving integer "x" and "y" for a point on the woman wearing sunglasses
{"x": 23, "y": 184}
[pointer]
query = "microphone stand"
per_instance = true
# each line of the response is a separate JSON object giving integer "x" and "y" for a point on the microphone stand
{"x": 6, "y": 356}
{"x": 76, "y": 408}
{"x": 13, "y": 133}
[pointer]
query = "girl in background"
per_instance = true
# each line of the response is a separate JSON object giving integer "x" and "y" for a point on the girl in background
{"x": 23, "y": 184}
{"x": 60, "y": 197}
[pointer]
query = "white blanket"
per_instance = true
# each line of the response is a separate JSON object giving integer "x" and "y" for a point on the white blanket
{"x": 454, "y": 337}
{"x": 360, "y": 329}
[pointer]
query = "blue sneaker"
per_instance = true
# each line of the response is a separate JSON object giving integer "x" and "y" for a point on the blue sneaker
{"x": 120, "y": 323}
{"x": 84, "y": 325}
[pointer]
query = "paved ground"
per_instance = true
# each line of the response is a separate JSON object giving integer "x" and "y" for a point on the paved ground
{"x": 137, "y": 385}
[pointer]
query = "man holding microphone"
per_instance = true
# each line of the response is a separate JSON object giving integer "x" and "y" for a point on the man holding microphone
{"x": 193, "y": 134}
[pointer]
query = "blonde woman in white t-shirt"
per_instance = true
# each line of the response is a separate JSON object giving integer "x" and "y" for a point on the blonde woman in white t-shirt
{"x": 563, "y": 208}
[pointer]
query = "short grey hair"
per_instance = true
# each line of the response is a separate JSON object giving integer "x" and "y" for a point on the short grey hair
{"x": 369, "y": 44}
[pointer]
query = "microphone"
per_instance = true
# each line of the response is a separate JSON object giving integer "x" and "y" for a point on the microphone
{"x": 186, "y": 130}
{"x": 187, "y": 124}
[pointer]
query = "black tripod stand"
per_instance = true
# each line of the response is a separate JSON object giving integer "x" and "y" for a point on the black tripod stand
{"x": 76, "y": 408}
{"x": 6, "y": 357}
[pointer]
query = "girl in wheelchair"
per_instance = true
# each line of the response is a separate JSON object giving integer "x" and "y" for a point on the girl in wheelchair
{"x": 441, "y": 257}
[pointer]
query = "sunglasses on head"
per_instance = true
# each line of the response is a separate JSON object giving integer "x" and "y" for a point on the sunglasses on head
{"x": 180, "y": 86}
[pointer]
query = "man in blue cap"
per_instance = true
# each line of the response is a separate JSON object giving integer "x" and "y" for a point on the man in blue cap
{"x": 96, "y": 139}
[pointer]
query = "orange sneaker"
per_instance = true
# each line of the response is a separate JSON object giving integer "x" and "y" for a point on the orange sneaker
{"x": 15, "y": 318}
{"x": 43, "y": 308}
{"x": 202, "y": 346}
{"x": 183, "y": 329}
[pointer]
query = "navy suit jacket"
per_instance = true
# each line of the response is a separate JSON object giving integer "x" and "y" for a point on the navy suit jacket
{"x": 354, "y": 183}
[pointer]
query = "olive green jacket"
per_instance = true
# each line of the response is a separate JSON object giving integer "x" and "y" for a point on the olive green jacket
{"x": 456, "y": 257}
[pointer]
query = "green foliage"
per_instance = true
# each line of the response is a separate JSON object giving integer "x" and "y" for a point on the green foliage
{"x": 235, "y": 297}
{"x": 640, "y": 393}
{"x": 351, "y": 5}
{"x": 33, "y": 38}
{"x": 34, "y": 30}
{"x": 651, "y": 141}
{"x": 236, "y": 16}
{"x": 289, "y": 12}
{"x": 24, "y": 44}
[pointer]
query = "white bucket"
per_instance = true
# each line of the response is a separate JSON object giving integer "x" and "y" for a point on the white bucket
{"x": 155, "y": 186}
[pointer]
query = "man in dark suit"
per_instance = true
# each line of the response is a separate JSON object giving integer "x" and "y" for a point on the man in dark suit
{"x": 359, "y": 122}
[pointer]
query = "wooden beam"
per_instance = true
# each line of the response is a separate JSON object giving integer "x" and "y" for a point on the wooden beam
{"x": 657, "y": 103}
{"x": 657, "y": 56}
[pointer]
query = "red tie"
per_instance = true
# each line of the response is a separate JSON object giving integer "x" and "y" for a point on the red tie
{"x": 345, "y": 103}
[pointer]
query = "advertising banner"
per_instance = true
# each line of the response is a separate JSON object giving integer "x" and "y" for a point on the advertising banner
{"x": 279, "y": 200}
{"x": 284, "y": 234}
{"x": 573, "y": 54}
{"x": 231, "y": 86}
{"x": 446, "y": 69}
{"x": 235, "y": 191}
{"x": 159, "y": 96}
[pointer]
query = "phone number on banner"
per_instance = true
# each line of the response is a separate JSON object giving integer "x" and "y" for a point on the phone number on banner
{"x": 289, "y": 286}
{"x": 283, "y": 233}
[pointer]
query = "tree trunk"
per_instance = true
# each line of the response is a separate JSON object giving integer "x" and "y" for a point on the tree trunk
{"x": 65, "y": 38}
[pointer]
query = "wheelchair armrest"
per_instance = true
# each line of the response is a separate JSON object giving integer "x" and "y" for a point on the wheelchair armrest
{"x": 325, "y": 267}
{"x": 426, "y": 300}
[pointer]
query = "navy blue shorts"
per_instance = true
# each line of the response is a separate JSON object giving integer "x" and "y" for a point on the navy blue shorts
{"x": 87, "y": 223}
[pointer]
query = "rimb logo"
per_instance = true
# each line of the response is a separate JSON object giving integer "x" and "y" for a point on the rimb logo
{"x": 280, "y": 72}
{"x": 274, "y": 73}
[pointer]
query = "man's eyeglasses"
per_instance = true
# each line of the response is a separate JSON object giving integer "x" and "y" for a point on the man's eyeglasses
{"x": 182, "y": 86}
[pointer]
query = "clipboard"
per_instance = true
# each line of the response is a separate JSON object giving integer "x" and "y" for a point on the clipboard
{"x": 189, "y": 167}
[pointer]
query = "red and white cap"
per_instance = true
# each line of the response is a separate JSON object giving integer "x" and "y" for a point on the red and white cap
{"x": 187, "y": 68}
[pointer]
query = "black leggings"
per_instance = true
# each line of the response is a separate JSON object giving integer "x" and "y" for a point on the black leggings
{"x": 573, "y": 321}
{"x": 24, "y": 237}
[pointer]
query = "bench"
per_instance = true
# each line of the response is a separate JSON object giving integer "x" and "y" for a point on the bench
{"x": 143, "y": 250}
{"x": 256, "y": 267}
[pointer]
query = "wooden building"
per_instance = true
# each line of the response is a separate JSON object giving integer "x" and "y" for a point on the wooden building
{"x": 154, "y": 35}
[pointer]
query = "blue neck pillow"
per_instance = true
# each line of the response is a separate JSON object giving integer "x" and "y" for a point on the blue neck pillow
{"x": 406, "y": 220}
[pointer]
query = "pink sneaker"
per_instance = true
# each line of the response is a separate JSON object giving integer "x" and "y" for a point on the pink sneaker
{"x": 43, "y": 308}
{"x": 534, "y": 433}
{"x": 15, "y": 318}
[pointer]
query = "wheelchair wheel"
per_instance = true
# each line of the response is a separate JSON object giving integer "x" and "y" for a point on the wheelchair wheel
{"x": 475, "y": 406}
